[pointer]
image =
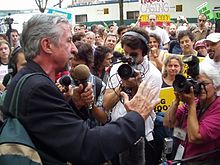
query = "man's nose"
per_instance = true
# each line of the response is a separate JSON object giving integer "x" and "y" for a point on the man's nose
{"x": 74, "y": 49}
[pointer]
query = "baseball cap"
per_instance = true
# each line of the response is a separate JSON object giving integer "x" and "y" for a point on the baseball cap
{"x": 213, "y": 37}
{"x": 199, "y": 44}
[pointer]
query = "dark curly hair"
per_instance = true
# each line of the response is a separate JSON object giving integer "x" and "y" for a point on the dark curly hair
{"x": 135, "y": 42}
{"x": 99, "y": 56}
{"x": 185, "y": 33}
{"x": 85, "y": 53}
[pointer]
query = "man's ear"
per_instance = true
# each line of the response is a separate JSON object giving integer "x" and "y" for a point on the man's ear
{"x": 46, "y": 45}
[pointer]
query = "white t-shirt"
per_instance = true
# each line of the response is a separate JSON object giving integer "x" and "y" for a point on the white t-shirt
{"x": 151, "y": 74}
{"x": 3, "y": 71}
{"x": 160, "y": 32}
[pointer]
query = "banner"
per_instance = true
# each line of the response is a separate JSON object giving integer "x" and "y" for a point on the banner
{"x": 62, "y": 12}
{"x": 204, "y": 8}
{"x": 161, "y": 19}
{"x": 217, "y": 14}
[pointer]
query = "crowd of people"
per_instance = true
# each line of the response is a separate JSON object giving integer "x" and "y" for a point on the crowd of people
{"x": 108, "y": 118}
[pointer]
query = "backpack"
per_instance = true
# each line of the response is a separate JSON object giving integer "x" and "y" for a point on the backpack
{"x": 16, "y": 146}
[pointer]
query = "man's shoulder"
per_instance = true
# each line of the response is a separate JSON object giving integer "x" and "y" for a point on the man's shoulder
{"x": 195, "y": 30}
{"x": 153, "y": 73}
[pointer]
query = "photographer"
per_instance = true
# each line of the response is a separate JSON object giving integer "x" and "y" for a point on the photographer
{"x": 196, "y": 122}
{"x": 135, "y": 44}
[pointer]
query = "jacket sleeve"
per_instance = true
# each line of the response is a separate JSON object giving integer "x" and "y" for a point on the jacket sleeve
{"x": 58, "y": 131}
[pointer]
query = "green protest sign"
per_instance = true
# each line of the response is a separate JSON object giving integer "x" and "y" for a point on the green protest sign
{"x": 217, "y": 15}
{"x": 204, "y": 8}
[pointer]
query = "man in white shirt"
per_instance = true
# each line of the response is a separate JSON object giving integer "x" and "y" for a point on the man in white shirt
{"x": 135, "y": 44}
{"x": 157, "y": 30}
{"x": 213, "y": 48}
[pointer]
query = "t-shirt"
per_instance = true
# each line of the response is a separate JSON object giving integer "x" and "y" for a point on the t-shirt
{"x": 160, "y": 32}
{"x": 151, "y": 74}
{"x": 3, "y": 71}
{"x": 209, "y": 128}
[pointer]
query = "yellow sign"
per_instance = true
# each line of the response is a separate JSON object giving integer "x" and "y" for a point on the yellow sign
{"x": 159, "y": 17}
{"x": 144, "y": 17}
{"x": 166, "y": 97}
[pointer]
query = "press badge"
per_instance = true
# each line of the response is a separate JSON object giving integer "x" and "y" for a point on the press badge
{"x": 179, "y": 133}
{"x": 179, "y": 152}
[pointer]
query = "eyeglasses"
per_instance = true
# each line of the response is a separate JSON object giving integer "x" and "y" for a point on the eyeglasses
{"x": 202, "y": 20}
{"x": 205, "y": 83}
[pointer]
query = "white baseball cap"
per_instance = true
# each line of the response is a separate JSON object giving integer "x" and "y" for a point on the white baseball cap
{"x": 213, "y": 37}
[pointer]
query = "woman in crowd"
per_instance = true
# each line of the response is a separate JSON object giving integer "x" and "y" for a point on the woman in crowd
{"x": 186, "y": 40}
{"x": 196, "y": 121}
{"x": 98, "y": 39}
{"x": 102, "y": 61}
{"x": 5, "y": 52}
{"x": 201, "y": 48}
{"x": 156, "y": 55}
{"x": 172, "y": 65}
{"x": 90, "y": 39}
{"x": 16, "y": 62}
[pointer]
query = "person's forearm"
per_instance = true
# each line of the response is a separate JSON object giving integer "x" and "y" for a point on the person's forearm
{"x": 170, "y": 115}
{"x": 111, "y": 97}
{"x": 159, "y": 63}
{"x": 99, "y": 114}
{"x": 193, "y": 125}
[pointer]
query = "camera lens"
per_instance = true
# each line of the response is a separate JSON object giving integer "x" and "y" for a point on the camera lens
{"x": 125, "y": 71}
{"x": 180, "y": 83}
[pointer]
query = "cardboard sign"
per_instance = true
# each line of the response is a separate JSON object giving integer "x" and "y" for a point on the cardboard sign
{"x": 161, "y": 19}
{"x": 205, "y": 9}
{"x": 217, "y": 15}
{"x": 166, "y": 98}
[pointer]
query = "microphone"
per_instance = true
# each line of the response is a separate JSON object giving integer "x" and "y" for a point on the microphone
{"x": 65, "y": 81}
{"x": 80, "y": 74}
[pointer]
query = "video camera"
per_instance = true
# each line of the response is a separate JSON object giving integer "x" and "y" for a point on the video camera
{"x": 126, "y": 70}
{"x": 183, "y": 84}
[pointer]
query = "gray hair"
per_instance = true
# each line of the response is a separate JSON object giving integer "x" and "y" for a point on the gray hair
{"x": 211, "y": 72}
{"x": 38, "y": 27}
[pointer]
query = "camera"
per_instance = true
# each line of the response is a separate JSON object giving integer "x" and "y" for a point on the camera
{"x": 183, "y": 84}
{"x": 168, "y": 145}
{"x": 126, "y": 70}
{"x": 193, "y": 65}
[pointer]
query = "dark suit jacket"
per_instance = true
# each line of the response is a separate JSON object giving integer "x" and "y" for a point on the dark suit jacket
{"x": 56, "y": 129}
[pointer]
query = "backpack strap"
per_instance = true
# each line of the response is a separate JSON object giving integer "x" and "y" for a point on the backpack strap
{"x": 98, "y": 84}
{"x": 47, "y": 159}
{"x": 14, "y": 101}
